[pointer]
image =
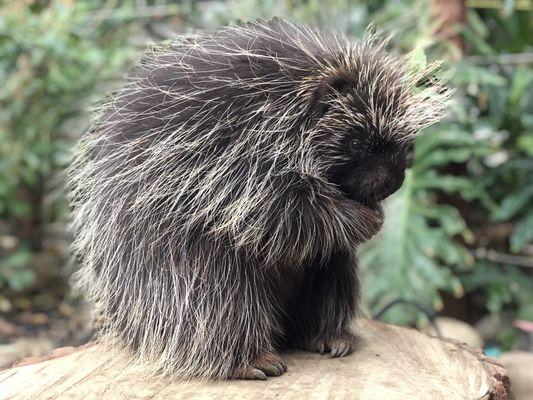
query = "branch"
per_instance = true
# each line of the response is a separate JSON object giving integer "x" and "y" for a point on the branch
{"x": 510, "y": 59}
{"x": 482, "y": 253}
{"x": 523, "y": 5}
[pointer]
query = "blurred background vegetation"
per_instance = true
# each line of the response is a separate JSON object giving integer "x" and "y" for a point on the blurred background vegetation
{"x": 458, "y": 236}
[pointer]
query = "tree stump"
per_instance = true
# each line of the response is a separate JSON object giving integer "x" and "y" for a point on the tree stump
{"x": 390, "y": 362}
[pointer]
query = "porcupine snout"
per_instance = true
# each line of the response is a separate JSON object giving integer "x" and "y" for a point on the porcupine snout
{"x": 393, "y": 181}
{"x": 385, "y": 180}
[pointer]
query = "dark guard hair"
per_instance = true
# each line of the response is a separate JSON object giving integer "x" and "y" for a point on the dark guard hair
{"x": 219, "y": 199}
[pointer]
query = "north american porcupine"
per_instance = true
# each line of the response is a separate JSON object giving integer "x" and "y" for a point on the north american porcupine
{"x": 220, "y": 197}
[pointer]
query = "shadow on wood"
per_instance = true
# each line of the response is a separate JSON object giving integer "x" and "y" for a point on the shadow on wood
{"x": 390, "y": 363}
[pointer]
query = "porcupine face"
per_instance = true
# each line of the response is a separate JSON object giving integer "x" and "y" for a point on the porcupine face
{"x": 374, "y": 139}
{"x": 373, "y": 167}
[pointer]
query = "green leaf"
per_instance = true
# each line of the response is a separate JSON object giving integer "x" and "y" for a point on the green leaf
{"x": 522, "y": 233}
{"x": 525, "y": 143}
{"x": 450, "y": 220}
{"x": 477, "y": 24}
{"x": 522, "y": 79}
{"x": 21, "y": 280}
{"x": 508, "y": 7}
{"x": 449, "y": 184}
{"x": 14, "y": 270}
{"x": 442, "y": 136}
{"x": 417, "y": 60}
{"x": 19, "y": 208}
{"x": 502, "y": 284}
{"x": 18, "y": 259}
{"x": 514, "y": 203}
{"x": 413, "y": 253}
{"x": 465, "y": 74}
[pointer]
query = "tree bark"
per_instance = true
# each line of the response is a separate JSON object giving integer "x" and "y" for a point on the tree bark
{"x": 450, "y": 15}
{"x": 390, "y": 362}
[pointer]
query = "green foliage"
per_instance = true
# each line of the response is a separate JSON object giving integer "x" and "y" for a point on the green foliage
{"x": 50, "y": 68}
{"x": 502, "y": 287}
{"x": 14, "y": 270}
{"x": 480, "y": 158}
{"x": 416, "y": 250}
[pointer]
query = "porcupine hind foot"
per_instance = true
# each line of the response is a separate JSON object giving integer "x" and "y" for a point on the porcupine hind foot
{"x": 265, "y": 364}
{"x": 338, "y": 346}
{"x": 324, "y": 308}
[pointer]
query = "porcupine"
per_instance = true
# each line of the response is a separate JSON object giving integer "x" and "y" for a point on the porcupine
{"x": 219, "y": 198}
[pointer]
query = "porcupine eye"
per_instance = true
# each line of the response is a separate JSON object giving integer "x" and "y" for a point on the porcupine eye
{"x": 353, "y": 145}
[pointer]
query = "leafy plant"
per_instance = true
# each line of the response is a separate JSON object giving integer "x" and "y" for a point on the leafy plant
{"x": 50, "y": 69}
{"x": 417, "y": 253}
{"x": 470, "y": 171}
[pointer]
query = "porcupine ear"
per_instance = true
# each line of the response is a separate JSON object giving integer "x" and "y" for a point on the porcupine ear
{"x": 337, "y": 83}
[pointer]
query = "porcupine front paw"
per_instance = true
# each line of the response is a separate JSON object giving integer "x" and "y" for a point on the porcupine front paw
{"x": 337, "y": 346}
{"x": 265, "y": 364}
{"x": 372, "y": 217}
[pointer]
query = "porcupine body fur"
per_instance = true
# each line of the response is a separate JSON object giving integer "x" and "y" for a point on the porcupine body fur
{"x": 220, "y": 197}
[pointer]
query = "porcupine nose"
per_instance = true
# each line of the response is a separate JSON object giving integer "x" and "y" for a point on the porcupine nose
{"x": 397, "y": 179}
{"x": 393, "y": 182}
{"x": 387, "y": 181}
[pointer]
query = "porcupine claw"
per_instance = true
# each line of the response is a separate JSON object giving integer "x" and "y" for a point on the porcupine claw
{"x": 338, "y": 346}
{"x": 266, "y": 364}
{"x": 373, "y": 216}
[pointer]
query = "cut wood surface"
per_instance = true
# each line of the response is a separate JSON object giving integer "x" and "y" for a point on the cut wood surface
{"x": 390, "y": 363}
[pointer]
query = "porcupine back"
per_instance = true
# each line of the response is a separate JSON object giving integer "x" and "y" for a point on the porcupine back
{"x": 189, "y": 168}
